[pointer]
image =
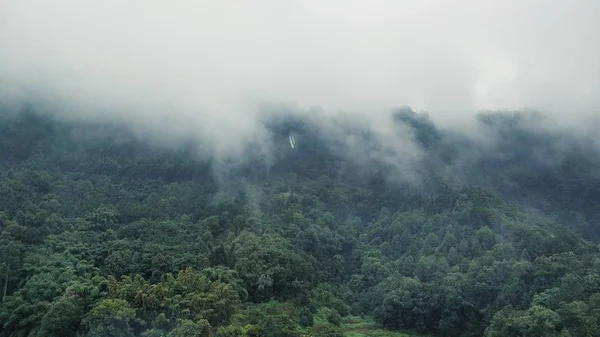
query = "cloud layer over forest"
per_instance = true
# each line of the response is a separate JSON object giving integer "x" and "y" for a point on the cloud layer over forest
{"x": 209, "y": 67}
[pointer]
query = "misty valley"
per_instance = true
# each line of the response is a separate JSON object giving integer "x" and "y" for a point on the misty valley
{"x": 322, "y": 226}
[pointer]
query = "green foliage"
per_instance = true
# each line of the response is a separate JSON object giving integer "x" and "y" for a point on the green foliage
{"x": 106, "y": 237}
{"x": 187, "y": 328}
{"x": 327, "y": 330}
{"x": 354, "y": 326}
{"x": 111, "y": 318}
{"x": 269, "y": 265}
{"x": 196, "y": 297}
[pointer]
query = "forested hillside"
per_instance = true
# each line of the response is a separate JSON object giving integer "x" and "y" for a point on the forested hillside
{"x": 105, "y": 233}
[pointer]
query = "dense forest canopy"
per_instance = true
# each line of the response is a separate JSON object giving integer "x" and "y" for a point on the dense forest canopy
{"x": 107, "y": 230}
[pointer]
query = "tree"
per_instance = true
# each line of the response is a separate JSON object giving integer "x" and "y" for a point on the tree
{"x": 10, "y": 256}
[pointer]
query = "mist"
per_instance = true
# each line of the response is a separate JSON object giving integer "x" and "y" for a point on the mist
{"x": 209, "y": 68}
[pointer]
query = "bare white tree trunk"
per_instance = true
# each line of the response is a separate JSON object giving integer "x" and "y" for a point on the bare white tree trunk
{"x": 6, "y": 281}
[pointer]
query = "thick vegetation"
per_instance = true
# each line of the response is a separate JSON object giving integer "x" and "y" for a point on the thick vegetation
{"x": 104, "y": 235}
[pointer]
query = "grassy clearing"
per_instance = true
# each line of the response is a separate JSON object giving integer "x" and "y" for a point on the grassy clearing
{"x": 355, "y": 326}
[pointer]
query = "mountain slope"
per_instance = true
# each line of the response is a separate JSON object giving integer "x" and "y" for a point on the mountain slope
{"x": 105, "y": 234}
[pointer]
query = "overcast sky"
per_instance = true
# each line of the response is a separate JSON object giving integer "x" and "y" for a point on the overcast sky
{"x": 213, "y": 61}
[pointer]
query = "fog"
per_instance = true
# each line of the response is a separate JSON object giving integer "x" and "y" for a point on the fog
{"x": 209, "y": 67}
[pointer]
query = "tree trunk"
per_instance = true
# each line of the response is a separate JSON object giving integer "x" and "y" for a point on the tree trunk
{"x": 6, "y": 281}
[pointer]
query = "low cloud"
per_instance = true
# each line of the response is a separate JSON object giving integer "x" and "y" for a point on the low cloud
{"x": 208, "y": 68}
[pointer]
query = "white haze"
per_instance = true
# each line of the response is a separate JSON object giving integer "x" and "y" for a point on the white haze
{"x": 207, "y": 67}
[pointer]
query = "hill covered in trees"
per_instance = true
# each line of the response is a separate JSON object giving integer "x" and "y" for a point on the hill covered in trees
{"x": 427, "y": 231}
